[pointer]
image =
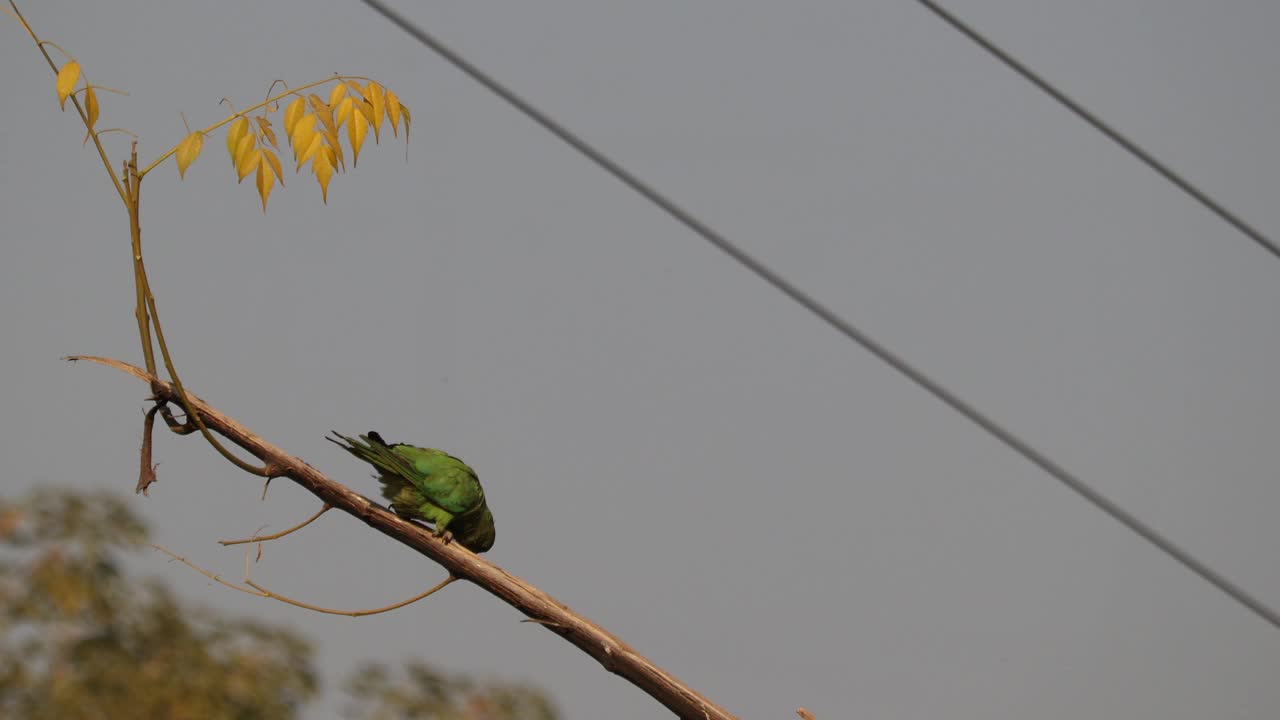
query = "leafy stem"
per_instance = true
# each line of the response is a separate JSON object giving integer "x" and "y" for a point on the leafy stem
{"x": 84, "y": 116}
{"x": 245, "y": 113}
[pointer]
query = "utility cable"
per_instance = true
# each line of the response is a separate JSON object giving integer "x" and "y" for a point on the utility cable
{"x": 1094, "y": 497}
{"x": 1098, "y": 124}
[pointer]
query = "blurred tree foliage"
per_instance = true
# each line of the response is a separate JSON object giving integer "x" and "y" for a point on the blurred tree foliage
{"x": 420, "y": 692}
{"x": 79, "y": 639}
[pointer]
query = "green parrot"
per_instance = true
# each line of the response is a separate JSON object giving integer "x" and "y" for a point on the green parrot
{"x": 430, "y": 485}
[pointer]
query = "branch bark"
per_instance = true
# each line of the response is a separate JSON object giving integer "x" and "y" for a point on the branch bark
{"x": 616, "y": 656}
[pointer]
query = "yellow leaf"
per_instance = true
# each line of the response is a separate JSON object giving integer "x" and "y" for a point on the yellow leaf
{"x": 345, "y": 110}
{"x": 265, "y": 179}
{"x": 67, "y": 78}
{"x": 354, "y": 87}
{"x": 303, "y": 131}
{"x": 90, "y": 109}
{"x": 324, "y": 113}
{"x": 292, "y": 114}
{"x": 337, "y": 93}
{"x": 366, "y": 108}
{"x": 235, "y": 133}
{"x": 275, "y": 165}
{"x": 378, "y": 101}
{"x": 247, "y": 157}
{"x": 246, "y": 145}
{"x": 356, "y": 130}
{"x": 310, "y": 150}
{"x": 188, "y": 151}
{"x": 264, "y": 125}
{"x": 323, "y": 167}
{"x": 405, "y": 111}
{"x": 336, "y": 150}
{"x": 393, "y": 111}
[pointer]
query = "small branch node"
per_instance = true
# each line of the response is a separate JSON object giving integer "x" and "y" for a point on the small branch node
{"x": 178, "y": 428}
{"x": 216, "y": 578}
{"x": 548, "y": 623}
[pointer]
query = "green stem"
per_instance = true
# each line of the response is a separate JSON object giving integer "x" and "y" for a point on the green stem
{"x": 146, "y": 313}
{"x": 133, "y": 185}
{"x": 182, "y": 392}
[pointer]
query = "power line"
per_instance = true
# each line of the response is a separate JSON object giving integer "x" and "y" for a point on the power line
{"x": 844, "y": 327}
{"x": 1098, "y": 124}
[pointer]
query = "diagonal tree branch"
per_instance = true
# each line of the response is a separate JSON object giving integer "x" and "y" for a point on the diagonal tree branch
{"x": 616, "y": 656}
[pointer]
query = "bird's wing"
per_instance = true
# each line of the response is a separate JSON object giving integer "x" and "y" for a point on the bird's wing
{"x": 443, "y": 479}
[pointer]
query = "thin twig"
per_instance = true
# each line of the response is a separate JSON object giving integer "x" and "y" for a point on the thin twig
{"x": 202, "y": 571}
{"x": 350, "y": 613}
{"x": 84, "y": 117}
{"x": 258, "y": 591}
{"x": 277, "y": 536}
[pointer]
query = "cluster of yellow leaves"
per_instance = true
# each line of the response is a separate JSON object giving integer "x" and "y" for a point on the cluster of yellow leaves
{"x": 312, "y": 127}
{"x": 68, "y": 76}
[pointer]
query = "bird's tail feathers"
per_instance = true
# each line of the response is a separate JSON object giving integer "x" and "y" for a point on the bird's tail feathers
{"x": 375, "y": 451}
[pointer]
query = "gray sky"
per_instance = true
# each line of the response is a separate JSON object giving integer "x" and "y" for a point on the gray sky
{"x": 669, "y": 446}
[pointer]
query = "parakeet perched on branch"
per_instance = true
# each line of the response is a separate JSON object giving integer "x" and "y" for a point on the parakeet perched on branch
{"x": 430, "y": 485}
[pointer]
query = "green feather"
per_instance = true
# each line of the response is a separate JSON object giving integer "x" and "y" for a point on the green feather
{"x": 429, "y": 485}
